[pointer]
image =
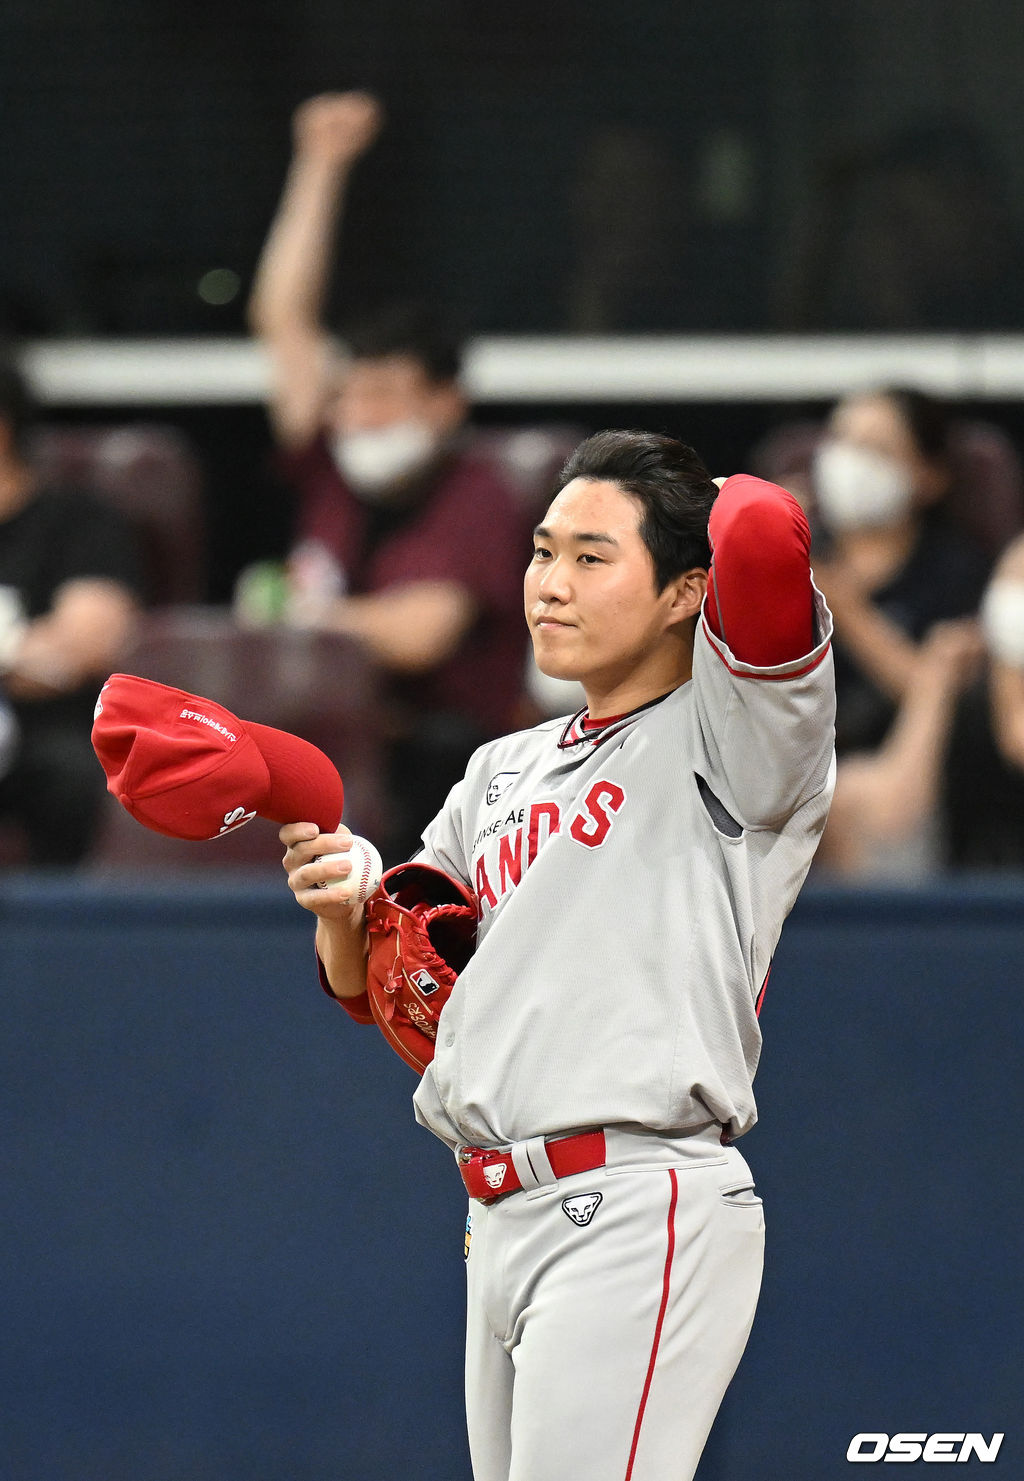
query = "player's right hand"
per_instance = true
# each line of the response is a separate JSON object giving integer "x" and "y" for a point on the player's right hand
{"x": 308, "y": 871}
{"x": 336, "y": 128}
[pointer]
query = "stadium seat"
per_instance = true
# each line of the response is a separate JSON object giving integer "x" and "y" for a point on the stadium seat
{"x": 151, "y": 474}
{"x": 529, "y": 458}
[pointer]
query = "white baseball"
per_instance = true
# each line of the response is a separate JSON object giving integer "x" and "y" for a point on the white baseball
{"x": 367, "y": 868}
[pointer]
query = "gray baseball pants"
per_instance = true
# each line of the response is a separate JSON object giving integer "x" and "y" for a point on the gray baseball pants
{"x": 607, "y": 1312}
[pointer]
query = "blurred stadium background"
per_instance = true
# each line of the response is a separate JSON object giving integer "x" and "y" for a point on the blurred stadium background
{"x": 227, "y": 1253}
{"x": 737, "y": 154}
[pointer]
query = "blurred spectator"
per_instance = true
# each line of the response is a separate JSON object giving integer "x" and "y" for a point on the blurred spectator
{"x": 983, "y": 785}
{"x": 8, "y": 731}
{"x": 407, "y": 537}
{"x": 947, "y": 786}
{"x": 985, "y": 491}
{"x": 889, "y": 556}
{"x": 883, "y": 823}
{"x": 69, "y": 587}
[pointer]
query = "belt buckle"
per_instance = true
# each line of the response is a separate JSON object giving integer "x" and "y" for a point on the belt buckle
{"x": 482, "y": 1157}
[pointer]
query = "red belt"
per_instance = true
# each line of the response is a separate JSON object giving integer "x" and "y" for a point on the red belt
{"x": 489, "y": 1175}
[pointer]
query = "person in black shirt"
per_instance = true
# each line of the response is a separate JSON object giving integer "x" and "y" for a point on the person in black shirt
{"x": 891, "y": 561}
{"x": 69, "y": 590}
{"x": 946, "y": 788}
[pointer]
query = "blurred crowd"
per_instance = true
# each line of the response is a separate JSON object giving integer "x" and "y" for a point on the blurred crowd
{"x": 410, "y": 533}
{"x": 917, "y": 517}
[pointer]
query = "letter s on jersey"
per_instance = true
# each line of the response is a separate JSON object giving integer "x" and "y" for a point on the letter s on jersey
{"x": 590, "y": 826}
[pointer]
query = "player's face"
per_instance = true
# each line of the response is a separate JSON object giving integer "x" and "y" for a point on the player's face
{"x": 591, "y": 605}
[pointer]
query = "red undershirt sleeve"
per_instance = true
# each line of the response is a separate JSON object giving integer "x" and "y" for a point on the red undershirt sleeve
{"x": 357, "y": 1008}
{"x": 760, "y": 600}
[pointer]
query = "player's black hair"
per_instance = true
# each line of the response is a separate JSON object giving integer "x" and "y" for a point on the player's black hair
{"x": 671, "y": 484}
{"x": 17, "y": 403}
{"x": 412, "y": 329}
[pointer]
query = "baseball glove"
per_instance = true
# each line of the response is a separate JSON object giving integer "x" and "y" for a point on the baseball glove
{"x": 422, "y": 928}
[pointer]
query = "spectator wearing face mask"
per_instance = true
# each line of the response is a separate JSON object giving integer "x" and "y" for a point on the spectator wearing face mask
{"x": 946, "y": 787}
{"x": 408, "y": 539}
{"x": 890, "y": 559}
{"x": 983, "y": 781}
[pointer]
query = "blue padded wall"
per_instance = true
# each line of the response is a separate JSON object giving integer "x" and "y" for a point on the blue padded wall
{"x": 226, "y": 1250}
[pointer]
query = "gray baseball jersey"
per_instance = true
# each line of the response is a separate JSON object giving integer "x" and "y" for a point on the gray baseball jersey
{"x": 633, "y": 883}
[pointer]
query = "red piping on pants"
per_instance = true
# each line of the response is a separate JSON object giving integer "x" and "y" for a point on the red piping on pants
{"x": 665, "y": 1283}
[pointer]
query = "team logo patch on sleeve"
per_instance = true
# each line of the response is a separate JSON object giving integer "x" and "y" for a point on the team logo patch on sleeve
{"x": 499, "y": 785}
{"x": 469, "y": 1234}
{"x": 582, "y": 1208}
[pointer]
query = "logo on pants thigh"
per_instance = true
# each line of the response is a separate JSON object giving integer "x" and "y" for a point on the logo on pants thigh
{"x": 582, "y": 1208}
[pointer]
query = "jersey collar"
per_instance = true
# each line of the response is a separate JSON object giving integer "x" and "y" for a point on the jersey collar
{"x": 579, "y": 729}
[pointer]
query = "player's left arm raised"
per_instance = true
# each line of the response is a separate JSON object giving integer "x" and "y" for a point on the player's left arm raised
{"x": 762, "y": 665}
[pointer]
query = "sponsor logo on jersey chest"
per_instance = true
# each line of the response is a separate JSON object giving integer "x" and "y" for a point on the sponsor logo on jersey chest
{"x": 499, "y": 785}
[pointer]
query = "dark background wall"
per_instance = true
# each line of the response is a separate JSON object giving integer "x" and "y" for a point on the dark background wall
{"x": 798, "y": 163}
{"x": 228, "y": 1254}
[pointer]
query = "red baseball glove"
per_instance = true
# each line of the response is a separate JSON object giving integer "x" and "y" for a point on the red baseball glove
{"x": 422, "y": 926}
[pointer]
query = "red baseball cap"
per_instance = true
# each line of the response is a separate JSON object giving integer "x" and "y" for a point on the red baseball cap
{"x": 187, "y": 767}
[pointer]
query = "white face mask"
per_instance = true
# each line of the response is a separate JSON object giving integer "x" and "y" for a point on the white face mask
{"x": 858, "y": 488}
{"x": 1002, "y": 617}
{"x": 376, "y": 463}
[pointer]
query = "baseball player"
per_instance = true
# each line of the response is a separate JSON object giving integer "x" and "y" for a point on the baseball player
{"x": 632, "y": 866}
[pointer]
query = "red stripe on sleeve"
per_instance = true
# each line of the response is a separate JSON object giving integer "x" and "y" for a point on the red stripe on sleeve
{"x": 760, "y": 601}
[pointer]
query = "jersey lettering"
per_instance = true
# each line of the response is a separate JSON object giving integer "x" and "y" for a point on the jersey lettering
{"x": 541, "y": 812}
{"x": 510, "y": 864}
{"x": 484, "y": 892}
{"x": 509, "y": 821}
{"x": 591, "y": 825}
{"x": 498, "y": 871}
{"x": 517, "y": 850}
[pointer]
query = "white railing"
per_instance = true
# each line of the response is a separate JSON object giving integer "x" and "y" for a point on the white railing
{"x": 559, "y": 368}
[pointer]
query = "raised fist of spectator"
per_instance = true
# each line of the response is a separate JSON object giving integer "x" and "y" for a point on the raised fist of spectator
{"x": 337, "y": 127}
